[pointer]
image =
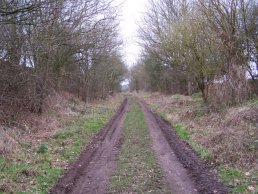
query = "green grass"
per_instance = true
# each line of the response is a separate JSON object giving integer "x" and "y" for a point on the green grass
{"x": 184, "y": 134}
{"x": 36, "y": 169}
{"x": 63, "y": 134}
{"x": 233, "y": 178}
{"x": 43, "y": 148}
{"x": 93, "y": 124}
{"x": 197, "y": 95}
{"x": 163, "y": 115}
{"x": 178, "y": 97}
{"x": 200, "y": 150}
{"x": 137, "y": 170}
{"x": 239, "y": 184}
{"x": 253, "y": 101}
{"x": 222, "y": 107}
{"x": 66, "y": 146}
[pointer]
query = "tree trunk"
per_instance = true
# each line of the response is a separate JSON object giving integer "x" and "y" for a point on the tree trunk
{"x": 202, "y": 87}
{"x": 189, "y": 86}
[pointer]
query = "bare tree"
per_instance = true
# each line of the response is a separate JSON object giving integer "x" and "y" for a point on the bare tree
{"x": 208, "y": 42}
{"x": 57, "y": 45}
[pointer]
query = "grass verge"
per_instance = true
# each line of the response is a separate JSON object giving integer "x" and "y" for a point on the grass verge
{"x": 232, "y": 177}
{"x": 137, "y": 170}
{"x": 237, "y": 180}
{"x": 36, "y": 168}
{"x": 225, "y": 135}
{"x": 185, "y": 135}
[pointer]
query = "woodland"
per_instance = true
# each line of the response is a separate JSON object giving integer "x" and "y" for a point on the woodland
{"x": 185, "y": 123}
{"x": 203, "y": 45}
{"x": 50, "y": 46}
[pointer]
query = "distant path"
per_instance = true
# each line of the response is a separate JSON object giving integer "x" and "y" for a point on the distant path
{"x": 90, "y": 173}
{"x": 186, "y": 172}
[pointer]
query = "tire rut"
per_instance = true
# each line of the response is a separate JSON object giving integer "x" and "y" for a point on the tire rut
{"x": 90, "y": 173}
{"x": 186, "y": 172}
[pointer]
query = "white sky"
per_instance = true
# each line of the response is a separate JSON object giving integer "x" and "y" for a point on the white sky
{"x": 131, "y": 13}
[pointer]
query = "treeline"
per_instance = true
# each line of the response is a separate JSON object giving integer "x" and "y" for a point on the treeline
{"x": 48, "y": 45}
{"x": 199, "y": 45}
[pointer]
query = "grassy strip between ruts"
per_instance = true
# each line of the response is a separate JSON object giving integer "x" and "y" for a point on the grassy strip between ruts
{"x": 137, "y": 170}
{"x": 36, "y": 169}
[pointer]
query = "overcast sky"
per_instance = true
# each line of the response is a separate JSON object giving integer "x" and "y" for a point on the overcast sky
{"x": 131, "y": 13}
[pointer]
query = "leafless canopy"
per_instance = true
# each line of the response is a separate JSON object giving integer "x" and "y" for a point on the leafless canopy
{"x": 47, "y": 45}
{"x": 205, "y": 45}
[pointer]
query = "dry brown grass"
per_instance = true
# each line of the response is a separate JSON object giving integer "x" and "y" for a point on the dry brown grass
{"x": 228, "y": 134}
{"x": 8, "y": 142}
{"x": 31, "y": 152}
{"x": 18, "y": 126}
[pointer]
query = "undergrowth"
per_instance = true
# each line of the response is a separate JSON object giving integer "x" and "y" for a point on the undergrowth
{"x": 36, "y": 168}
{"x": 184, "y": 134}
{"x": 236, "y": 180}
{"x": 232, "y": 177}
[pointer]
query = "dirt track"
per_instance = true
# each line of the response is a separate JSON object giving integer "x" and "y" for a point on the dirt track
{"x": 185, "y": 172}
{"x": 90, "y": 173}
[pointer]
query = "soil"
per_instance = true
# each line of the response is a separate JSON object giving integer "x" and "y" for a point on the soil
{"x": 185, "y": 171}
{"x": 90, "y": 173}
{"x": 177, "y": 176}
